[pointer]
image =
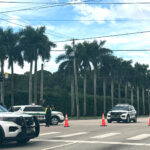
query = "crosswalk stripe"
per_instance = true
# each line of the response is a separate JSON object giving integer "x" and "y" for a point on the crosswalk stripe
{"x": 48, "y": 133}
{"x": 73, "y": 134}
{"x": 104, "y": 135}
{"x": 139, "y": 137}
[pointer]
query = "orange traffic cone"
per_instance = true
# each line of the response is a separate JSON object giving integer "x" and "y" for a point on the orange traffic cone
{"x": 149, "y": 121}
{"x": 103, "y": 120}
{"x": 66, "y": 121}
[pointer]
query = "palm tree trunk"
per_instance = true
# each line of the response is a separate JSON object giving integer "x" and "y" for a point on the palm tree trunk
{"x": 95, "y": 100}
{"x": 41, "y": 85}
{"x": 104, "y": 92}
{"x": 30, "y": 83}
{"x": 143, "y": 97}
{"x": 72, "y": 97}
{"x": 119, "y": 91}
{"x": 35, "y": 82}
{"x": 12, "y": 84}
{"x": 126, "y": 92}
{"x": 131, "y": 95}
{"x": 84, "y": 112}
{"x": 138, "y": 101}
{"x": 2, "y": 83}
{"x": 76, "y": 84}
{"x": 112, "y": 92}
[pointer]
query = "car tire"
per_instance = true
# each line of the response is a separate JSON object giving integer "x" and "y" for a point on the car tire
{"x": 1, "y": 135}
{"x": 23, "y": 141}
{"x": 135, "y": 119}
{"x": 109, "y": 121}
{"x": 128, "y": 119}
{"x": 54, "y": 120}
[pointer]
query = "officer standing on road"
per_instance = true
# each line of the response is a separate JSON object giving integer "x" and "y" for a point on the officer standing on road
{"x": 48, "y": 115}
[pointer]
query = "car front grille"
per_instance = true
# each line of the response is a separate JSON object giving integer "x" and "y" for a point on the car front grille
{"x": 115, "y": 114}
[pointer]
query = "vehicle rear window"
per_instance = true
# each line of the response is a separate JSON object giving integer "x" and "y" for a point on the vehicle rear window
{"x": 2, "y": 109}
{"x": 34, "y": 109}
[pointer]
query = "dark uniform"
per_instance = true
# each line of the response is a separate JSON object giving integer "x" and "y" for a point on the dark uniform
{"x": 48, "y": 116}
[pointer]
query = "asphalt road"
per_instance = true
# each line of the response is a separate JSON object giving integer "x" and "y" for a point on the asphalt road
{"x": 89, "y": 135}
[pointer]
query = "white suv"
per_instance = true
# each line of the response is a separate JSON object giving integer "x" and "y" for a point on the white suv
{"x": 17, "y": 127}
{"x": 39, "y": 112}
{"x": 122, "y": 112}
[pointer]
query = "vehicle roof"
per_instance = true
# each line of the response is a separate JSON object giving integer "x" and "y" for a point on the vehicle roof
{"x": 123, "y": 105}
{"x": 28, "y": 106}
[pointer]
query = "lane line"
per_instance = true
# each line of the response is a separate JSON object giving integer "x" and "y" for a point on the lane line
{"x": 58, "y": 146}
{"x": 73, "y": 134}
{"x": 49, "y": 133}
{"x": 94, "y": 142}
{"x": 139, "y": 137}
{"x": 104, "y": 135}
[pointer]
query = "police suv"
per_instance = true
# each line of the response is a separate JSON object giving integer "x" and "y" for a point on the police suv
{"x": 17, "y": 127}
{"x": 122, "y": 112}
{"x": 39, "y": 112}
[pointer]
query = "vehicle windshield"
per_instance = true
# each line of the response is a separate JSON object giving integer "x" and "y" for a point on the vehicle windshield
{"x": 2, "y": 109}
{"x": 121, "y": 107}
{"x": 36, "y": 109}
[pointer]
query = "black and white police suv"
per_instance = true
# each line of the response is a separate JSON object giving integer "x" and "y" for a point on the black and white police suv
{"x": 122, "y": 112}
{"x": 39, "y": 112}
{"x": 17, "y": 127}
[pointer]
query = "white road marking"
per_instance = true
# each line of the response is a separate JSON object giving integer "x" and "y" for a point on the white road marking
{"x": 104, "y": 135}
{"x": 73, "y": 134}
{"x": 93, "y": 142}
{"x": 58, "y": 146}
{"x": 48, "y": 133}
{"x": 139, "y": 137}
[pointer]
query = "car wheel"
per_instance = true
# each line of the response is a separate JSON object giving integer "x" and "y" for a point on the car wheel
{"x": 1, "y": 138}
{"x": 109, "y": 121}
{"x": 54, "y": 120}
{"x": 135, "y": 119}
{"x": 22, "y": 141}
{"x": 1, "y": 135}
{"x": 128, "y": 119}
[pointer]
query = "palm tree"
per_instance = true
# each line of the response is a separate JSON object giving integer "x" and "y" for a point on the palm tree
{"x": 14, "y": 55}
{"x": 67, "y": 67}
{"x": 43, "y": 50}
{"x": 96, "y": 53}
{"x": 140, "y": 74}
{"x": 28, "y": 43}
{"x": 84, "y": 67}
{"x": 3, "y": 57}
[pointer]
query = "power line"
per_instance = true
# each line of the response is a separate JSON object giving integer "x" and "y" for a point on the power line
{"x": 76, "y": 20}
{"x": 75, "y": 3}
{"x": 51, "y": 33}
{"x": 106, "y": 36}
{"x": 65, "y": 4}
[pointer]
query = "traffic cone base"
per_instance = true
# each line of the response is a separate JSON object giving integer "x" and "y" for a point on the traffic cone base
{"x": 103, "y": 121}
{"x": 66, "y": 121}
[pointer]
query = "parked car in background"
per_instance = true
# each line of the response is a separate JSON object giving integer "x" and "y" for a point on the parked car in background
{"x": 39, "y": 112}
{"x": 122, "y": 112}
{"x": 17, "y": 126}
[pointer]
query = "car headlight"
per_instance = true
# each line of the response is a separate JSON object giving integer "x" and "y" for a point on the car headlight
{"x": 109, "y": 113}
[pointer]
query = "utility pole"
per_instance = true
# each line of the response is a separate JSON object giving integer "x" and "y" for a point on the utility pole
{"x": 76, "y": 81}
{"x": 41, "y": 89}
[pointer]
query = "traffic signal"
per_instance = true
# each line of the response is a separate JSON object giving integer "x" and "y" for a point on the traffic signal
{"x": 1, "y": 77}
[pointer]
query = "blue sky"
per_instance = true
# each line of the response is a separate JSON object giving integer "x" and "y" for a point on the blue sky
{"x": 85, "y": 20}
